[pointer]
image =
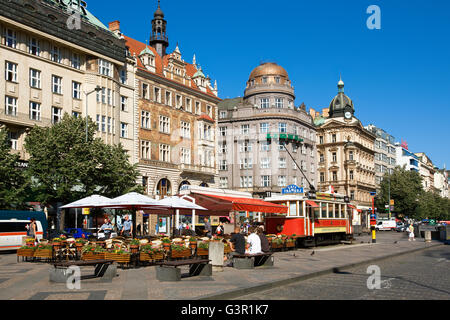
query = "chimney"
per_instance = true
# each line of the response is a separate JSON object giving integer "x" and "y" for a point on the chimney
{"x": 114, "y": 26}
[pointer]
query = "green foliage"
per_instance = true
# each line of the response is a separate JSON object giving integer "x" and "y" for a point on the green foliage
{"x": 432, "y": 206}
{"x": 66, "y": 168}
{"x": 405, "y": 190}
{"x": 13, "y": 182}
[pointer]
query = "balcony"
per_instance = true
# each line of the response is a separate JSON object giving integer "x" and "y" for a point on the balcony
{"x": 188, "y": 168}
{"x": 156, "y": 163}
{"x": 23, "y": 119}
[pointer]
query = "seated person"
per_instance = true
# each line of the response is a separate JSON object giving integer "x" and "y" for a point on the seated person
{"x": 265, "y": 247}
{"x": 237, "y": 242}
{"x": 254, "y": 241}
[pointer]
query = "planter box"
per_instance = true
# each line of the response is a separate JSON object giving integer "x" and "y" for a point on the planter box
{"x": 181, "y": 253}
{"x": 202, "y": 252}
{"x": 147, "y": 257}
{"x": 25, "y": 253}
{"x": 277, "y": 245}
{"x": 290, "y": 244}
{"x": 117, "y": 257}
{"x": 47, "y": 253}
{"x": 93, "y": 256}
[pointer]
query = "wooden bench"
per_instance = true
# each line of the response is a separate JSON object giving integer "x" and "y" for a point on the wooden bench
{"x": 104, "y": 269}
{"x": 250, "y": 261}
{"x": 170, "y": 271}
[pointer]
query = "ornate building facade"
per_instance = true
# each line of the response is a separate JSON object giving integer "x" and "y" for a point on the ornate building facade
{"x": 51, "y": 55}
{"x": 345, "y": 152}
{"x": 176, "y": 115}
{"x": 248, "y": 160}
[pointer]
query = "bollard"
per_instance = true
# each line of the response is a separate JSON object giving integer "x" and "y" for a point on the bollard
{"x": 427, "y": 236}
{"x": 216, "y": 253}
{"x": 374, "y": 234}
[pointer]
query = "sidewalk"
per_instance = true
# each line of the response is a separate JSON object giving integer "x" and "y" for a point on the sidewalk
{"x": 30, "y": 281}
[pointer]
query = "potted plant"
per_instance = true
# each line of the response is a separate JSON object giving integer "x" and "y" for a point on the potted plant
{"x": 79, "y": 244}
{"x": 203, "y": 249}
{"x": 26, "y": 251}
{"x": 43, "y": 251}
{"x": 91, "y": 252}
{"x": 166, "y": 242}
{"x": 30, "y": 242}
{"x": 180, "y": 251}
{"x": 148, "y": 253}
{"x": 277, "y": 243}
{"x": 134, "y": 246}
{"x": 118, "y": 255}
{"x": 290, "y": 243}
{"x": 193, "y": 243}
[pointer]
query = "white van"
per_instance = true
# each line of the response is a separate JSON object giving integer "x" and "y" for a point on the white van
{"x": 386, "y": 225}
{"x": 13, "y": 231}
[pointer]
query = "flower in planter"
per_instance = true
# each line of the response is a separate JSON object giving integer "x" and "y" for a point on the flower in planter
{"x": 178, "y": 247}
{"x": 135, "y": 242}
{"x": 203, "y": 245}
{"x": 192, "y": 239}
{"x": 43, "y": 247}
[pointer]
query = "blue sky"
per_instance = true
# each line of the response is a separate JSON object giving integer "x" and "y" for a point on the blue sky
{"x": 398, "y": 77}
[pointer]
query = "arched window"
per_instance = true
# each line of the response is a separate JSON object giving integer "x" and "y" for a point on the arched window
{"x": 204, "y": 184}
{"x": 184, "y": 183}
{"x": 164, "y": 188}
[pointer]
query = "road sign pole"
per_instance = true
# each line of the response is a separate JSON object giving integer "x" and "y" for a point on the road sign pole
{"x": 374, "y": 230}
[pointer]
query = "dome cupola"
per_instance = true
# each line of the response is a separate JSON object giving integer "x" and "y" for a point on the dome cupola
{"x": 341, "y": 104}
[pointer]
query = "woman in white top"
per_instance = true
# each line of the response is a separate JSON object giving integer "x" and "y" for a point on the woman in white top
{"x": 254, "y": 242}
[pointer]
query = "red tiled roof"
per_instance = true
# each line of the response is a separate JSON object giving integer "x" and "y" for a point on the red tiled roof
{"x": 204, "y": 116}
{"x": 136, "y": 47}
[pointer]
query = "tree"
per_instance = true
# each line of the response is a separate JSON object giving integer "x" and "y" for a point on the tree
{"x": 66, "y": 168}
{"x": 13, "y": 182}
{"x": 405, "y": 190}
{"x": 432, "y": 206}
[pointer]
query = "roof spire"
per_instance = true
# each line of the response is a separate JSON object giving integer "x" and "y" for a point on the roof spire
{"x": 341, "y": 84}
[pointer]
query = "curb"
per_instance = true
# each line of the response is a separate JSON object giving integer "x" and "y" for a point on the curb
{"x": 227, "y": 295}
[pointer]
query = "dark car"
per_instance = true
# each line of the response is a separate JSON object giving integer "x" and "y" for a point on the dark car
{"x": 79, "y": 233}
{"x": 401, "y": 227}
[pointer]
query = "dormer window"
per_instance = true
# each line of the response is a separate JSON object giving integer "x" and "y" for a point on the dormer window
{"x": 264, "y": 80}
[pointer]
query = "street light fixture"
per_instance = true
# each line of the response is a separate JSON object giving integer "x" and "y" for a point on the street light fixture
{"x": 97, "y": 89}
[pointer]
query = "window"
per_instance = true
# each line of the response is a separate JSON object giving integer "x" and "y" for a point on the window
{"x": 351, "y": 175}
{"x": 264, "y": 80}
{"x": 265, "y": 181}
{"x": 188, "y": 105}
{"x": 281, "y": 181}
{"x": 304, "y": 148}
{"x": 57, "y": 84}
{"x": 245, "y": 146}
{"x": 123, "y": 130}
{"x": 145, "y": 91}
{"x": 265, "y": 163}
{"x": 105, "y": 67}
{"x": 123, "y": 76}
{"x": 145, "y": 119}
{"x": 264, "y": 127}
{"x": 321, "y": 140}
{"x": 334, "y": 157}
{"x": 223, "y": 165}
{"x": 123, "y": 103}
{"x": 11, "y": 38}
{"x": 35, "y": 111}
{"x": 303, "y": 165}
{"x": 282, "y": 163}
{"x": 333, "y": 138}
{"x": 185, "y": 156}
{"x": 178, "y": 102}
{"x": 164, "y": 153}
{"x": 75, "y": 114}
{"x": 264, "y": 103}
{"x": 277, "y": 80}
{"x": 281, "y": 146}
{"x": 109, "y": 125}
{"x": 223, "y": 131}
{"x": 98, "y": 123}
{"x": 76, "y": 90}
{"x": 13, "y": 138}
{"x": 11, "y": 71}
{"x": 335, "y": 176}
{"x": 35, "y": 78}
{"x": 185, "y": 129}
{"x": 246, "y": 163}
{"x": 247, "y": 182}
{"x": 164, "y": 124}
{"x": 76, "y": 61}
{"x": 279, "y": 103}
{"x": 282, "y": 127}
{"x": 11, "y": 106}
{"x": 322, "y": 177}
{"x": 103, "y": 123}
{"x": 55, "y": 54}
{"x": 157, "y": 95}
{"x": 56, "y": 115}
{"x": 168, "y": 98}
{"x": 265, "y": 146}
{"x": 109, "y": 97}
{"x": 352, "y": 195}
{"x": 223, "y": 147}
{"x": 197, "y": 108}
{"x": 103, "y": 95}
{"x": 34, "y": 47}
{"x": 223, "y": 182}
{"x": 245, "y": 129}
{"x": 350, "y": 155}
{"x": 294, "y": 148}
{"x": 321, "y": 158}
{"x": 222, "y": 114}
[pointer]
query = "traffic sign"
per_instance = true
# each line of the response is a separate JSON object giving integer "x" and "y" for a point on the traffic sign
{"x": 392, "y": 202}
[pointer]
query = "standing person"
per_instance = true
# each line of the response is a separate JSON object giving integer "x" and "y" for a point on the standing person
{"x": 127, "y": 229}
{"x": 220, "y": 229}
{"x": 208, "y": 228}
{"x": 411, "y": 233}
{"x": 32, "y": 229}
{"x": 265, "y": 246}
{"x": 254, "y": 241}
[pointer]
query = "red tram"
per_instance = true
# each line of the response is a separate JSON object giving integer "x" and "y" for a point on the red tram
{"x": 324, "y": 220}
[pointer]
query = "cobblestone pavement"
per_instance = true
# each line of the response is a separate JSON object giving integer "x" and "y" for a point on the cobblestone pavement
{"x": 422, "y": 275}
{"x": 24, "y": 281}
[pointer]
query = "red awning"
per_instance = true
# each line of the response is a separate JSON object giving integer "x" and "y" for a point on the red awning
{"x": 251, "y": 205}
{"x": 312, "y": 203}
{"x": 353, "y": 207}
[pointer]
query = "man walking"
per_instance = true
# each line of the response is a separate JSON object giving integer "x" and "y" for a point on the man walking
{"x": 127, "y": 229}
{"x": 208, "y": 228}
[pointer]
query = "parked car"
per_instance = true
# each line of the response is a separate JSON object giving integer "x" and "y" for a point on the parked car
{"x": 79, "y": 233}
{"x": 401, "y": 227}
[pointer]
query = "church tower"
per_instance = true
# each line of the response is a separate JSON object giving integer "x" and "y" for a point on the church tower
{"x": 158, "y": 38}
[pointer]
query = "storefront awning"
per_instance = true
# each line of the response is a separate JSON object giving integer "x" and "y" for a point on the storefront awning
{"x": 251, "y": 205}
{"x": 312, "y": 204}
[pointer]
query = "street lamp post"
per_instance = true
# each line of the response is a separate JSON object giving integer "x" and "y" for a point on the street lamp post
{"x": 97, "y": 89}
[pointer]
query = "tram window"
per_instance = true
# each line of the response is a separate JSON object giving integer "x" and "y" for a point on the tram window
{"x": 316, "y": 213}
{"x": 300, "y": 209}
{"x": 342, "y": 211}
{"x": 330, "y": 210}
{"x": 323, "y": 205}
{"x": 293, "y": 208}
